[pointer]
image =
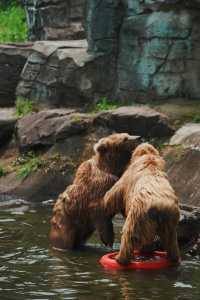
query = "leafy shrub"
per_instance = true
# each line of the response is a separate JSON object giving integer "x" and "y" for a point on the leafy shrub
{"x": 105, "y": 104}
{"x": 2, "y": 171}
{"x": 24, "y": 106}
{"x": 27, "y": 164}
{"x": 13, "y": 27}
{"x": 196, "y": 118}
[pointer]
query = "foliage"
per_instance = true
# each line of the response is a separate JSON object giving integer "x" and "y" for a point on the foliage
{"x": 196, "y": 118}
{"x": 105, "y": 104}
{"x": 2, "y": 171}
{"x": 24, "y": 106}
{"x": 27, "y": 163}
{"x": 6, "y": 3}
{"x": 31, "y": 166}
{"x": 13, "y": 27}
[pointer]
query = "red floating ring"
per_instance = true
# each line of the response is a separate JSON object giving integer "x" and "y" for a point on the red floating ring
{"x": 154, "y": 261}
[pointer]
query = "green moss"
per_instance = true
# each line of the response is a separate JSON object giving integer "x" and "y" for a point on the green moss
{"x": 13, "y": 27}
{"x": 24, "y": 106}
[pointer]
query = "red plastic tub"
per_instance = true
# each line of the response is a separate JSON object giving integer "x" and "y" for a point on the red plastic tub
{"x": 143, "y": 261}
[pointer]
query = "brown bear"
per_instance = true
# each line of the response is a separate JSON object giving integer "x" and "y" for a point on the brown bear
{"x": 149, "y": 203}
{"x": 77, "y": 212}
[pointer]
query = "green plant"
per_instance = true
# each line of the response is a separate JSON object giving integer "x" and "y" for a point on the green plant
{"x": 2, "y": 171}
{"x": 26, "y": 163}
{"x": 105, "y": 104}
{"x": 13, "y": 27}
{"x": 32, "y": 165}
{"x": 196, "y": 118}
{"x": 23, "y": 106}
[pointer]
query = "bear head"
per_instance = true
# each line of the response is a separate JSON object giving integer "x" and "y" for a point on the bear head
{"x": 114, "y": 152}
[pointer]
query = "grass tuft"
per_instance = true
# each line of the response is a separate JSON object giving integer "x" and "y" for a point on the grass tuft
{"x": 105, "y": 104}
{"x": 24, "y": 107}
{"x": 2, "y": 171}
{"x": 27, "y": 164}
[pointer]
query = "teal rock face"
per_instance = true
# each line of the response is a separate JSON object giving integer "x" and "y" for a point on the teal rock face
{"x": 102, "y": 24}
{"x": 139, "y": 50}
{"x": 155, "y": 43}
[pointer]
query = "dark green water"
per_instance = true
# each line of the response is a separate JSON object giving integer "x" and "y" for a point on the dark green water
{"x": 30, "y": 269}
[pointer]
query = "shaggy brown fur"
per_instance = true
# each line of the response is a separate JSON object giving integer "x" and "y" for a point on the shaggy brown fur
{"x": 77, "y": 212}
{"x": 149, "y": 204}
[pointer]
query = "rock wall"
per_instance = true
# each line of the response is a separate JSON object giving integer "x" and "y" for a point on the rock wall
{"x": 148, "y": 50}
{"x": 157, "y": 44}
{"x": 63, "y": 74}
{"x": 55, "y": 19}
{"x": 12, "y": 60}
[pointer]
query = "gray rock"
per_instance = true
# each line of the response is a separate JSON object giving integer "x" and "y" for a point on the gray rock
{"x": 138, "y": 120}
{"x": 187, "y": 136}
{"x": 55, "y": 19}
{"x": 37, "y": 187}
{"x": 49, "y": 126}
{"x": 7, "y": 124}
{"x": 183, "y": 168}
{"x": 189, "y": 224}
{"x": 64, "y": 74}
{"x": 46, "y": 183}
{"x": 12, "y": 60}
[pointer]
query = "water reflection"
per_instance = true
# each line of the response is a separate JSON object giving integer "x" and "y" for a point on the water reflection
{"x": 30, "y": 269}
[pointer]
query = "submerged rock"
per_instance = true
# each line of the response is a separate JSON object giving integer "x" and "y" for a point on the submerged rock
{"x": 189, "y": 229}
{"x": 139, "y": 120}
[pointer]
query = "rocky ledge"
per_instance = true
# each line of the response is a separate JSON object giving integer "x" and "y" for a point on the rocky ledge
{"x": 53, "y": 142}
{"x": 64, "y": 74}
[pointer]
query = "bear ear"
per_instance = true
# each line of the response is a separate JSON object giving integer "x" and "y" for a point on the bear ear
{"x": 100, "y": 148}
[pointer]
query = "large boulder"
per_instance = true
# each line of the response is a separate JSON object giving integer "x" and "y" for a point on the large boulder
{"x": 187, "y": 136}
{"x": 12, "y": 60}
{"x": 7, "y": 124}
{"x": 138, "y": 120}
{"x": 64, "y": 74}
{"x": 50, "y": 126}
{"x": 183, "y": 167}
{"x": 183, "y": 163}
{"x": 55, "y": 20}
{"x": 58, "y": 164}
